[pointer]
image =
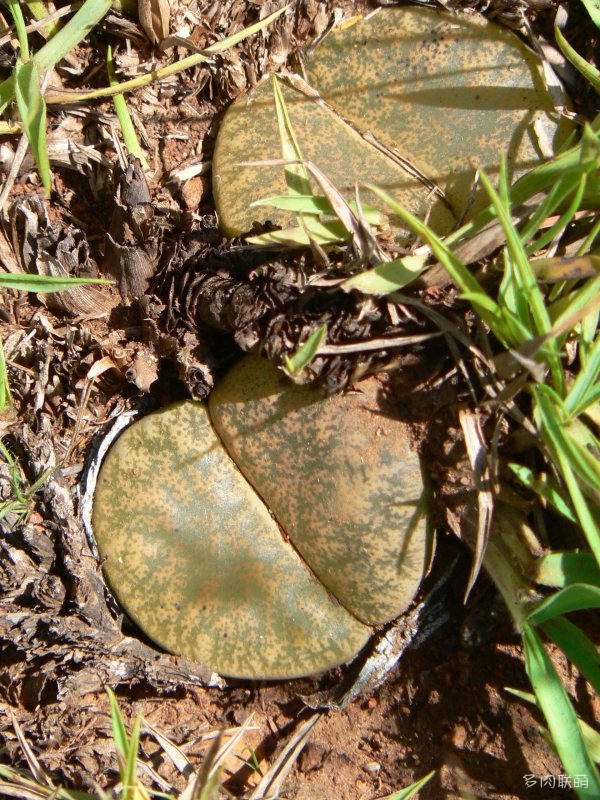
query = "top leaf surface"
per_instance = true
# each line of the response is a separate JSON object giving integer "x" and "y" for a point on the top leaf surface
{"x": 448, "y": 93}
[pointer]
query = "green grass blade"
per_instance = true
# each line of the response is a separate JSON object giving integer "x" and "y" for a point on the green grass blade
{"x": 306, "y": 352}
{"x": 566, "y": 455}
{"x": 318, "y": 205}
{"x": 84, "y": 21}
{"x": 39, "y": 10}
{"x": 528, "y": 697}
{"x": 69, "y": 36}
{"x": 593, "y": 7}
{"x": 20, "y": 26}
{"x": 583, "y": 450}
{"x": 589, "y": 72}
{"x": 118, "y": 726}
{"x": 532, "y": 305}
{"x": 211, "y": 789}
{"x": 565, "y": 166}
{"x": 576, "y": 597}
{"x": 155, "y": 75}
{"x": 311, "y": 231}
{"x": 127, "y": 127}
{"x": 559, "y": 569}
{"x": 32, "y": 109}
{"x": 460, "y": 274}
{"x": 410, "y": 791}
{"x": 562, "y": 721}
{"x": 546, "y": 488}
{"x": 578, "y": 304}
{"x": 590, "y": 150}
{"x": 556, "y": 196}
{"x": 7, "y": 92}
{"x": 76, "y": 29}
{"x": 5, "y": 396}
{"x": 590, "y": 737}
{"x": 577, "y": 647}
{"x": 236, "y": 38}
{"x": 129, "y": 772}
{"x": 299, "y": 204}
{"x": 388, "y": 277}
{"x": 297, "y": 176}
{"x": 558, "y": 169}
{"x": 565, "y": 218}
{"x": 43, "y": 283}
{"x": 581, "y": 392}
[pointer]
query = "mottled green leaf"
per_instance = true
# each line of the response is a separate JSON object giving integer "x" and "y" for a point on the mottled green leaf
{"x": 416, "y": 121}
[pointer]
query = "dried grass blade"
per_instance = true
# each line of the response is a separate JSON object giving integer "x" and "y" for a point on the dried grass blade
{"x": 202, "y": 784}
{"x": 157, "y": 74}
{"x": 477, "y": 452}
{"x": 21, "y": 792}
{"x": 154, "y": 18}
{"x": 176, "y": 754}
{"x": 16, "y": 784}
{"x": 376, "y": 344}
{"x": 34, "y": 765}
{"x": 238, "y": 734}
{"x": 364, "y": 242}
{"x": 270, "y": 783}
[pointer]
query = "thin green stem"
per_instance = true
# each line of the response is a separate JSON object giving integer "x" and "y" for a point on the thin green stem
{"x": 20, "y": 26}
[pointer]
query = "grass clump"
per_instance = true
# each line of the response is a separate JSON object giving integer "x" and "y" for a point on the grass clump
{"x": 545, "y": 377}
{"x": 18, "y": 502}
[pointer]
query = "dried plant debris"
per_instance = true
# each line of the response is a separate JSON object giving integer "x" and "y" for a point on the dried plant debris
{"x": 131, "y": 242}
{"x": 276, "y": 306}
{"x": 42, "y": 248}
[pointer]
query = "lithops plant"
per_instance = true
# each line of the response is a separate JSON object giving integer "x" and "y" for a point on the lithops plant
{"x": 404, "y": 95}
{"x": 265, "y": 534}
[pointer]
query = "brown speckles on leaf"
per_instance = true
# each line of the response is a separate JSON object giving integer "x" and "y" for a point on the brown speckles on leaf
{"x": 186, "y": 526}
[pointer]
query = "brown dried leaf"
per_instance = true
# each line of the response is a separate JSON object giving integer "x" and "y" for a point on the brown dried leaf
{"x": 45, "y": 249}
{"x": 131, "y": 267}
{"x": 477, "y": 452}
{"x": 154, "y": 18}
